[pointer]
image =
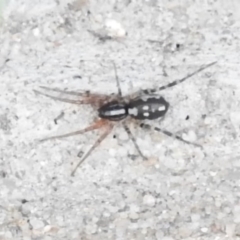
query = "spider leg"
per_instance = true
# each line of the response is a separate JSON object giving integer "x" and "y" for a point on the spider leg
{"x": 84, "y": 101}
{"x": 96, "y": 100}
{"x": 117, "y": 79}
{"x": 174, "y": 83}
{"x": 109, "y": 128}
{"x": 96, "y": 125}
{"x": 74, "y": 93}
{"x": 127, "y": 129}
{"x": 169, "y": 134}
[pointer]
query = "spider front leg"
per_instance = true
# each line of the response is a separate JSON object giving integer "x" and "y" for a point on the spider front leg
{"x": 74, "y": 93}
{"x": 87, "y": 97}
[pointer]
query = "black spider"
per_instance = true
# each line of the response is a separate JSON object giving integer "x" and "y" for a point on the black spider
{"x": 141, "y": 105}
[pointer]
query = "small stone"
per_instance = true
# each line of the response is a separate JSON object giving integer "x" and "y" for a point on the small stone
{"x": 50, "y": 229}
{"x": 237, "y": 208}
{"x": 60, "y": 221}
{"x": 114, "y": 29}
{"x": 227, "y": 210}
{"x": 144, "y": 231}
{"x": 112, "y": 152}
{"x": 7, "y": 235}
{"x": 209, "y": 121}
{"x": 159, "y": 235}
{"x": 149, "y": 200}
{"x": 121, "y": 223}
{"x": 27, "y": 238}
{"x": 195, "y": 217}
{"x": 184, "y": 231}
{"x": 167, "y": 238}
{"x": 218, "y": 204}
{"x": 106, "y": 214}
{"x": 151, "y": 161}
{"x": 236, "y": 218}
{"x": 190, "y": 136}
{"x": 47, "y": 238}
{"x": 123, "y": 215}
{"x": 230, "y": 229}
{"x": 123, "y": 136}
{"x": 91, "y": 229}
{"x": 131, "y": 194}
{"x": 122, "y": 152}
{"x": 36, "y": 32}
{"x": 204, "y": 230}
{"x": 36, "y": 223}
{"x": 213, "y": 174}
{"x": 134, "y": 208}
{"x": 133, "y": 216}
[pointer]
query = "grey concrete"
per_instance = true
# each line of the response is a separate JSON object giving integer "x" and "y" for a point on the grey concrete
{"x": 181, "y": 192}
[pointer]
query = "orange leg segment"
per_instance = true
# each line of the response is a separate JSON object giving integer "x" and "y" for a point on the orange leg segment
{"x": 87, "y": 97}
{"x": 96, "y": 125}
{"x": 109, "y": 128}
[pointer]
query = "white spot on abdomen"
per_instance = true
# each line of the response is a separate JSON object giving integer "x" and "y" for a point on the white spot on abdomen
{"x": 162, "y": 108}
{"x": 146, "y": 114}
{"x": 146, "y": 107}
{"x": 133, "y": 111}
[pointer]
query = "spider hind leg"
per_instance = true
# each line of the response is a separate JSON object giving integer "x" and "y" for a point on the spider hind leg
{"x": 176, "y": 82}
{"x": 169, "y": 134}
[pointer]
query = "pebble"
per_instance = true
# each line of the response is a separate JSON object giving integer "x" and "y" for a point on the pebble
{"x": 184, "y": 231}
{"x": 149, "y": 200}
{"x": 204, "y": 230}
{"x": 47, "y": 238}
{"x": 112, "y": 152}
{"x": 236, "y": 218}
{"x": 123, "y": 136}
{"x": 134, "y": 208}
{"x": 7, "y": 235}
{"x": 236, "y": 214}
{"x": 36, "y": 32}
{"x": 27, "y": 238}
{"x": 209, "y": 121}
{"x": 122, "y": 152}
{"x": 36, "y": 223}
{"x": 133, "y": 215}
{"x": 91, "y": 229}
{"x": 114, "y": 28}
{"x": 195, "y": 217}
{"x": 190, "y": 136}
{"x": 167, "y": 238}
{"x": 230, "y": 229}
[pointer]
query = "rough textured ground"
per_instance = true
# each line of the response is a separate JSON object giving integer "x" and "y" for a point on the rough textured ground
{"x": 181, "y": 192}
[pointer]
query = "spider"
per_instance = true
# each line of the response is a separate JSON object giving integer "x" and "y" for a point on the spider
{"x": 141, "y": 105}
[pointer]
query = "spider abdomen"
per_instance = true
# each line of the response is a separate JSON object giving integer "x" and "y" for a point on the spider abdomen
{"x": 148, "y": 107}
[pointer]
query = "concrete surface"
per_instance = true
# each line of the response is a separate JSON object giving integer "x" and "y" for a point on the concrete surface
{"x": 181, "y": 192}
